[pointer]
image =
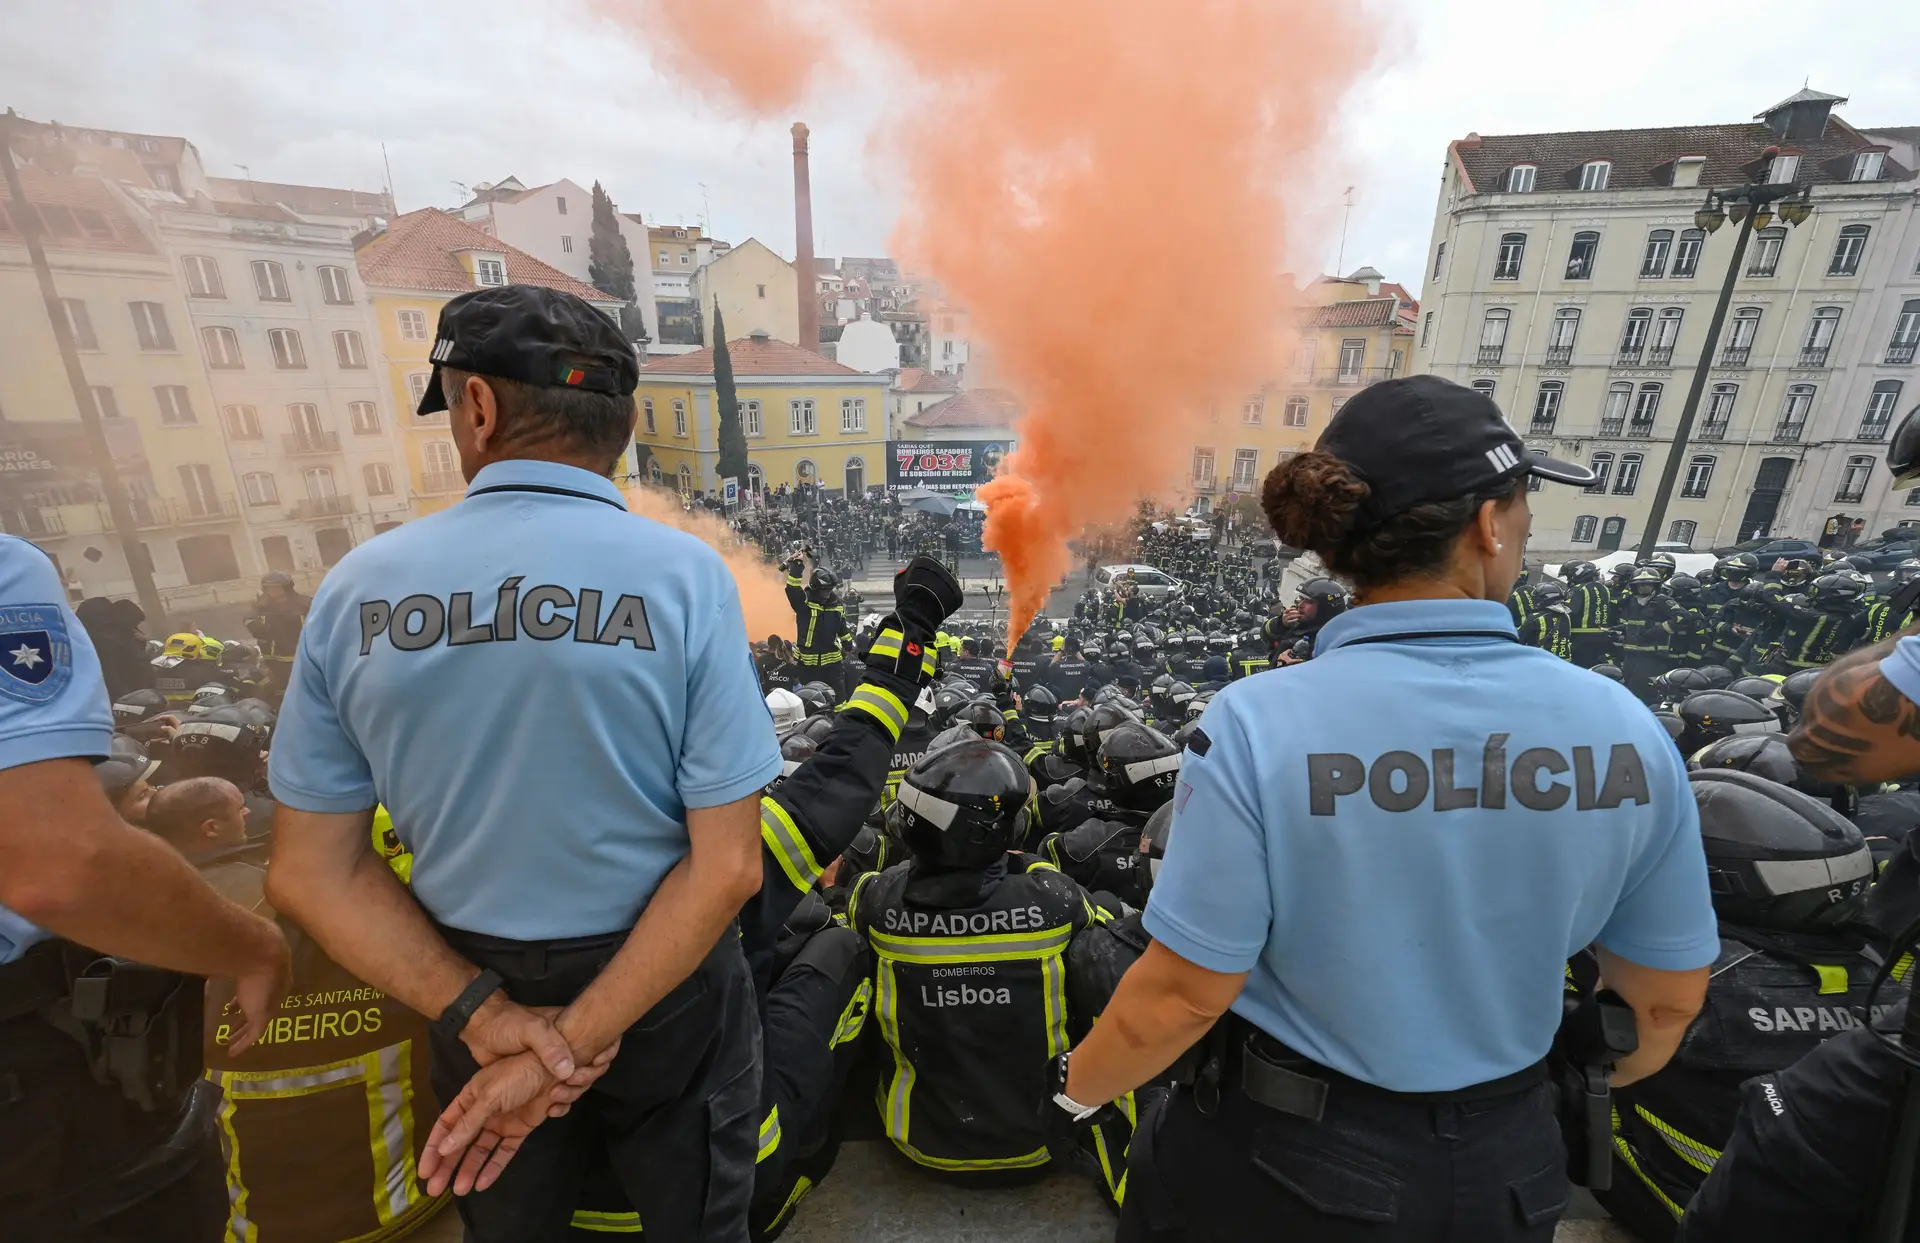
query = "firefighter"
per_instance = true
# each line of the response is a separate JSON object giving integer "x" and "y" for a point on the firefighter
{"x": 1549, "y": 623}
{"x": 1792, "y": 971}
{"x": 971, "y": 939}
{"x": 1591, "y": 606}
{"x": 1139, "y": 766}
{"x": 278, "y": 613}
{"x": 820, "y": 620}
{"x": 1645, "y": 627}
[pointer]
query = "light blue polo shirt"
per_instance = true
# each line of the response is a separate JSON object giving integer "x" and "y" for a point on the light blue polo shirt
{"x": 1901, "y": 667}
{"x": 537, "y": 684}
{"x": 1403, "y": 840}
{"x": 53, "y": 701}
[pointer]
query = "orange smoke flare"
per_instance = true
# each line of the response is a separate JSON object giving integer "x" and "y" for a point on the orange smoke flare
{"x": 763, "y": 589}
{"x": 1109, "y": 187}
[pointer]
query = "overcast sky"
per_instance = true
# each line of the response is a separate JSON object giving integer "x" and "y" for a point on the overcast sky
{"x": 479, "y": 89}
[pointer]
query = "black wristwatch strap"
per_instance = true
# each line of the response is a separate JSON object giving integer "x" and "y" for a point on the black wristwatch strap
{"x": 453, "y": 1019}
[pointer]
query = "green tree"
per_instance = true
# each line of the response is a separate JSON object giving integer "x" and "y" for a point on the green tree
{"x": 733, "y": 437}
{"x": 610, "y": 264}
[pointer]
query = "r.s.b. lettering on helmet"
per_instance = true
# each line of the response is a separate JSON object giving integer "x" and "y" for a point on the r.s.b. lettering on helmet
{"x": 419, "y": 622}
{"x": 1404, "y": 780}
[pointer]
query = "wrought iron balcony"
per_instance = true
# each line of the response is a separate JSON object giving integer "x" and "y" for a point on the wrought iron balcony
{"x": 1813, "y": 356}
{"x": 1490, "y": 355}
{"x": 1789, "y": 433}
{"x": 1559, "y": 355}
{"x": 306, "y": 444}
{"x": 322, "y": 507}
{"x": 1713, "y": 429}
{"x": 1735, "y": 355}
{"x": 1660, "y": 356}
{"x": 442, "y": 481}
{"x": 1901, "y": 352}
{"x": 1629, "y": 356}
{"x": 1611, "y": 427}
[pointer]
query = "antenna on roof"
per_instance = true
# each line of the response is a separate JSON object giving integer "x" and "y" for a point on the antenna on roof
{"x": 706, "y": 212}
{"x": 1340, "y": 264}
{"x": 389, "y": 167}
{"x": 249, "y": 172}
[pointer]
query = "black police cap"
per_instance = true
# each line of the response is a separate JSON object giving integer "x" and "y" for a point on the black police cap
{"x": 532, "y": 334}
{"x": 1420, "y": 439}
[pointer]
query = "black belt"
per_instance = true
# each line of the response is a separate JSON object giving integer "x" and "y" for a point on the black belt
{"x": 536, "y": 956}
{"x": 1273, "y": 1075}
{"x": 33, "y": 981}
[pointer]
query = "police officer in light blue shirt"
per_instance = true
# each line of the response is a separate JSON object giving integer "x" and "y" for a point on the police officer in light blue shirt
{"x": 1383, "y": 860}
{"x": 79, "y": 1157}
{"x": 555, "y": 701}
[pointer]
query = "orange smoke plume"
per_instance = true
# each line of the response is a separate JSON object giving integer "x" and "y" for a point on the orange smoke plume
{"x": 763, "y": 589}
{"x": 1110, "y": 188}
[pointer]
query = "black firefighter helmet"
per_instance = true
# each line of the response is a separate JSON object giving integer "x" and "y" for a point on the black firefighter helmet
{"x": 1767, "y": 755}
{"x": 965, "y": 805}
{"x": 1141, "y": 765}
{"x": 1777, "y": 858}
{"x": 1713, "y": 715}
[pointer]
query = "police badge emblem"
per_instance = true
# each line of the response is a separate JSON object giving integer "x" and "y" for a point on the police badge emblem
{"x": 36, "y": 659}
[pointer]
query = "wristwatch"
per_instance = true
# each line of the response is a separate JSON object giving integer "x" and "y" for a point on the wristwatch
{"x": 1058, "y": 1083}
{"x": 453, "y": 1020}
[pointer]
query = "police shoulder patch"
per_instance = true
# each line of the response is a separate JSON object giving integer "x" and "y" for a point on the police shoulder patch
{"x": 36, "y": 657}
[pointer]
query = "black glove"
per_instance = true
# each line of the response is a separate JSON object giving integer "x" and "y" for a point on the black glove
{"x": 925, "y": 594}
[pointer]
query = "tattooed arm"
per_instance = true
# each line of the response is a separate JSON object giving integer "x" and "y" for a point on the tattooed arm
{"x": 1856, "y": 726}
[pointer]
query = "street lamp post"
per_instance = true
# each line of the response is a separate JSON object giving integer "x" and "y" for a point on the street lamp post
{"x": 1750, "y": 207}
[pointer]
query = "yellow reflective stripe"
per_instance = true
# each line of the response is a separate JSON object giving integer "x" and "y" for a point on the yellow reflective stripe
{"x": 888, "y": 643}
{"x": 800, "y": 1189}
{"x": 989, "y": 948}
{"x": 895, "y": 1097}
{"x": 1901, "y": 968}
{"x": 769, "y": 1135}
{"x": 796, "y": 582}
{"x": 606, "y": 1223}
{"x": 1833, "y": 979}
{"x": 882, "y": 705}
{"x": 1106, "y": 1165}
{"x": 788, "y": 844}
{"x": 1025, "y": 1161}
{"x": 1053, "y": 983}
{"x": 1626, "y": 1154}
{"x": 385, "y": 1076}
{"x": 853, "y": 1019}
{"x": 1692, "y": 1151}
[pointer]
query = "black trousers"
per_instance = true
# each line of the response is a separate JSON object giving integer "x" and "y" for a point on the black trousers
{"x": 1373, "y": 1168}
{"x": 1641, "y": 668}
{"x": 1590, "y": 649}
{"x": 79, "y": 1163}
{"x": 676, "y": 1115}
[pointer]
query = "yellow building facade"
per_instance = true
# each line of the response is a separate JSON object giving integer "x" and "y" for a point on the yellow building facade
{"x": 422, "y": 261}
{"x": 142, "y": 362}
{"x": 756, "y": 291}
{"x": 807, "y": 419}
{"x": 1350, "y": 334}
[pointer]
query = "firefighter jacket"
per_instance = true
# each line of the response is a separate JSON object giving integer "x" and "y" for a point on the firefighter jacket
{"x": 1064, "y": 807}
{"x": 1805, "y": 1160}
{"x": 1880, "y": 623}
{"x": 1647, "y": 626}
{"x": 1189, "y": 669}
{"x": 1692, "y": 634}
{"x": 1591, "y": 608}
{"x": 1520, "y": 605}
{"x": 1103, "y": 856}
{"x": 275, "y": 625}
{"x": 1772, "y": 997}
{"x": 1809, "y": 638}
{"x": 323, "y": 1121}
{"x": 820, "y": 627}
{"x": 1247, "y": 661}
{"x": 971, "y": 996}
{"x": 808, "y": 819}
{"x": 1550, "y": 629}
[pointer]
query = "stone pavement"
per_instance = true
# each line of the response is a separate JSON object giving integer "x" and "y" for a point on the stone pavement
{"x": 872, "y": 1196}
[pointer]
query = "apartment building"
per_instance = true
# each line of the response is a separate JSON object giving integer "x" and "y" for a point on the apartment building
{"x": 419, "y": 263}
{"x": 554, "y": 224}
{"x": 1350, "y": 332}
{"x": 1569, "y": 279}
{"x": 285, "y": 330}
{"x": 142, "y": 366}
{"x": 807, "y": 418}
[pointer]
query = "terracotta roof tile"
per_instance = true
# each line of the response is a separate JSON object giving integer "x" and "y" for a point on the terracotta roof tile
{"x": 78, "y": 213}
{"x": 917, "y": 380}
{"x": 417, "y": 251}
{"x": 306, "y": 200}
{"x": 1643, "y": 158}
{"x": 751, "y": 356}
{"x": 979, "y": 407}
{"x": 1362, "y": 313}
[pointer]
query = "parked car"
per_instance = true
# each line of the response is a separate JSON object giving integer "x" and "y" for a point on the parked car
{"x": 1883, "y": 555}
{"x": 1766, "y": 549}
{"x": 1154, "y": 584}
{"x": 1688, "y": 562}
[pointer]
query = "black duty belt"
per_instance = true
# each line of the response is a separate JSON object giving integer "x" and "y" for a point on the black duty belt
{"x": 537, "y": 956}
{"x": 33, "y": 981}
{"x": 1275, "y": 1076}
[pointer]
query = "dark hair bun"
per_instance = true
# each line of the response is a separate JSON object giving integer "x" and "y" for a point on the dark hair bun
{"x": 1313, "y": 499}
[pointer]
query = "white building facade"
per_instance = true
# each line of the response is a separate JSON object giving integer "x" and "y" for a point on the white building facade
{"x": 284, "y": 328}
{"x": 554, "y": 224}
{"x": 1567, "y": 277}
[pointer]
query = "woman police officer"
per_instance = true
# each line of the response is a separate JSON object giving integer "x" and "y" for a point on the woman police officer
{"x": 1385, "y": 889}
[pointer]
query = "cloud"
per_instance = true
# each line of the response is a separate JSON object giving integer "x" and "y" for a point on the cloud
{"x": 479, "y": 89}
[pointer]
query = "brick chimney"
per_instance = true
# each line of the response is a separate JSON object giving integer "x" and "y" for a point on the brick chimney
{"x": 803, "y": 244}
